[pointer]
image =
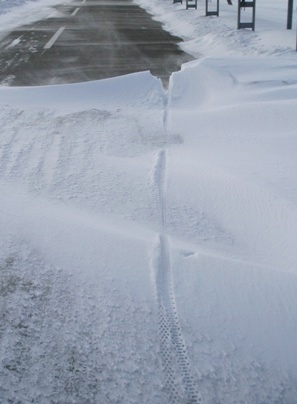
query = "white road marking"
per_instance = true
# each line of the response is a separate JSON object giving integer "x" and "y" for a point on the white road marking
{"x": 53, "y": 39}
{"x": 53, "y": 14}
{"x": 14, "y": 42}
{"x": 75, "y": 11}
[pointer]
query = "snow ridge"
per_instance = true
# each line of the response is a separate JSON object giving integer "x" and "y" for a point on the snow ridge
{"x": 160, "y": 184}
{"x": 179, "y": 382}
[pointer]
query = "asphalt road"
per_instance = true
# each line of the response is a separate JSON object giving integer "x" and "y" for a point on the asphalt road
{"x": 91, "y": 39}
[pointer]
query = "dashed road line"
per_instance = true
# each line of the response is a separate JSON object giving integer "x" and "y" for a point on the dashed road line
{"x": 75, "y": 11}
{"x": 15, "y": 42}
{"x": 53, "y": 39}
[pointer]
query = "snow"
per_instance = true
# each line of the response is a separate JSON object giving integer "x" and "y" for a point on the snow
{"x": 218, "y": 36}
{"x": 148, "y": 236}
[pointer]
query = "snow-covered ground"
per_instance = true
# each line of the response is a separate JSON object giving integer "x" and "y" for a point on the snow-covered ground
{"x": 213, "y": 36}
{"x": 148, "y": 237}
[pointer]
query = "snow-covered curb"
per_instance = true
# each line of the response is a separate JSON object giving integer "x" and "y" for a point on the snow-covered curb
{"x": 218, "y": 36}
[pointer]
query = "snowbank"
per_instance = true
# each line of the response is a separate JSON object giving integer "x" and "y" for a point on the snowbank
{"x": 218, "y": 36}
{"x": 143, "y": 194}
{"x": 148, "y": 237}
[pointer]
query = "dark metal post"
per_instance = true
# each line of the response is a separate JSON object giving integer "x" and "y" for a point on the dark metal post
{"x": 238, "y": 15}
{"x": 290, "y": 14}
{"x": 254, "y": 15}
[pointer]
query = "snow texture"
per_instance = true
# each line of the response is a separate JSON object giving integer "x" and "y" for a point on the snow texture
{"x": 148, "y": 237}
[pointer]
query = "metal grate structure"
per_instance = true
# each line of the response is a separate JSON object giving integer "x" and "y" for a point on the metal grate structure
{"x": 242, "y": 5}
{"x": 214, "y": 11}
{"x": 191, "y": 4}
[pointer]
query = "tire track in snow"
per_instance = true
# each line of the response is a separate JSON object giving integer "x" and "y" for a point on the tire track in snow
{"x": 179, "y": 382}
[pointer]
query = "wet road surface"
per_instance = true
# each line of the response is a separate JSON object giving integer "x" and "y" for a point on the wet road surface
{"x": 91, "y": 39}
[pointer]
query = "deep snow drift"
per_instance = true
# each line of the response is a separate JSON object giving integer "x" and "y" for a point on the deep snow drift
{"x": 148, "y": 238}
